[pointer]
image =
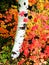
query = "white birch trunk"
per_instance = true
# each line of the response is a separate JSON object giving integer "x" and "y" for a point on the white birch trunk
{"x": 20, "y": 29}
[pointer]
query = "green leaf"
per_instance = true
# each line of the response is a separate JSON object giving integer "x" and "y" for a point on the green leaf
{"x": 4, "y": 61}
{"x": 5, "y": 4}
{"x": 48, "y": 60}
{"x": 47, "y": 64}
{"x": 48, "y": 21}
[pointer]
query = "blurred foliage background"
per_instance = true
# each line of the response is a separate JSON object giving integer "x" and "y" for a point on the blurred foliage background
{"x": 6, "y": 4}
{"x": 8, "y": 27}
{"x": 8, "y": 9}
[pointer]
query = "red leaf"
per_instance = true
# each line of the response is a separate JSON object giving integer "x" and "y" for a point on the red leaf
{"x": 25, "y": 20}
{"x": 21, "y": 62}
{"x": 35, "y": 27}
{"x": 35, "y": 19}
{"x": 26, "y": 52}
{"x": 47, "y": 50}
{"x": 22, "y": 13}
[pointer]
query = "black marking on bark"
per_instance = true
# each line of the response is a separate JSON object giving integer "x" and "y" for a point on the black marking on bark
{"x": 17, "y": 51}
{"x": 25, "y": 14}
{"x": 24, "y": 25}
{"x": 19, "y": 43}
{"x": 22, "y": 28}
{"x": 24, "y": 3}
{"x": 21, "y": 36}
{"x": 14, "y": 53}
{"x": 19, "y": 5}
